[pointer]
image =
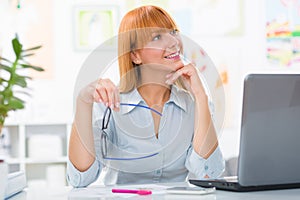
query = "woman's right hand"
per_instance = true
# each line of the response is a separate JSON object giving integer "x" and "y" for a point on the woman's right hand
{"x": 101, "y": 91}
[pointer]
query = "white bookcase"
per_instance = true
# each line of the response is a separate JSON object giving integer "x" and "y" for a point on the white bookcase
{"x": 38, "y": 149}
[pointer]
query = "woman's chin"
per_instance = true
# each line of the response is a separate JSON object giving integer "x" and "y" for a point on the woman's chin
{"x": 176, "y": 65}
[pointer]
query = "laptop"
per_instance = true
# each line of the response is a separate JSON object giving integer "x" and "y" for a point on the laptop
{"x": 270, "y": 136}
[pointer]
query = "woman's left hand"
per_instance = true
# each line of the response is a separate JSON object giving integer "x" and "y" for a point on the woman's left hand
{"x": 190, "y": 78}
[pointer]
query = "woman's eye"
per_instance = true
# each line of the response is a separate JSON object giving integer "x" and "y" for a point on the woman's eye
{"x": 157, "y": 37}
{"x": 174, "y": 32}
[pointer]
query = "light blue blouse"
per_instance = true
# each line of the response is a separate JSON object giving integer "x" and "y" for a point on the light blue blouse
{"x": 132, "y": 131}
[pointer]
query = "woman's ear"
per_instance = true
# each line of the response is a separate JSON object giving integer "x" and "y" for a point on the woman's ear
{"x": 135, "y": 58}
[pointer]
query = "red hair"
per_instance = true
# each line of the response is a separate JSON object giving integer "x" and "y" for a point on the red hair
{"x": 134, "y": 32}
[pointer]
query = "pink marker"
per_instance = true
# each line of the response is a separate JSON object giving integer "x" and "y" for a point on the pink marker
{"x": 140, "y": 192}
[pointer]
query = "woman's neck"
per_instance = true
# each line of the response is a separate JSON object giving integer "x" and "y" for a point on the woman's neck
{"x": 152, "y": 86}
{"x": 155, "y": 94}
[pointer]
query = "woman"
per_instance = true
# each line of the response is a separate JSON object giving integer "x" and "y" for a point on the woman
{"x": 167, "y": 134}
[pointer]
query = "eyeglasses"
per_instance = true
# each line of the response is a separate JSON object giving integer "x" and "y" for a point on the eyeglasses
{"x": 104, "y": 141}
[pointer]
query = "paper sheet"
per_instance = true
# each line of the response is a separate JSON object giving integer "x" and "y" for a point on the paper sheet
{"x": 95, "y": 192}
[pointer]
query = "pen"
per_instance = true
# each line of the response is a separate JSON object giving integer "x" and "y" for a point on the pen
{"x": 140, "y": 192}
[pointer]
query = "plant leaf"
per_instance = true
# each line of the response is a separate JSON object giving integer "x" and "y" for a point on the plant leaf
{"x": 3, "y": 109}
{"x": 26, "y": 77}
{"x": 17, "y": 46}
{"x": 7, "y": 93}
{"x": 27, "y": 55}
{"x": 32, "y": 48}
{"x": 3, "y": 80}
{"x": 15, "y": 103}
{"x": 1, "y": 58}
{"x": 6, "y": 68}
{"x": 33, "y": 67}
{"x": 20, "y": 81}
{"x": 23, "y": 92}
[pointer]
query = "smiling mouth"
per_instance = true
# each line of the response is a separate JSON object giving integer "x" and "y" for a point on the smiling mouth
{"x": 175, "y": 55}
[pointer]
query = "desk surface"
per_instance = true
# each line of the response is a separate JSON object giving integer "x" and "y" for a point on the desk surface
{"x": 98, "y": 192}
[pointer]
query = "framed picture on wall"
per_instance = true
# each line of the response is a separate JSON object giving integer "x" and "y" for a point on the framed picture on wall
{"x": 95, "y": 26}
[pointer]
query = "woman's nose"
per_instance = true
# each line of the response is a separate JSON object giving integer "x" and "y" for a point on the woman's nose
{"x": 173, "y": 41}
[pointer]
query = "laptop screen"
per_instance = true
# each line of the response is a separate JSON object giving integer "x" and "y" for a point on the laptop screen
{"x": 270, "y": 130}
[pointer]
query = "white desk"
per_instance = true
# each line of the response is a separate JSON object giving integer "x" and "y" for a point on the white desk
{"x": 102, "y": 193}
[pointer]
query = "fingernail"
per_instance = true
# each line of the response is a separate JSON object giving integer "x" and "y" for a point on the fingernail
{"x": 168, "y": 75}
{"x": 106, "y": 104}
{"x": 168, "y": 82}
{"x": 112, "y": 106}
{"x": 117, "y": 104}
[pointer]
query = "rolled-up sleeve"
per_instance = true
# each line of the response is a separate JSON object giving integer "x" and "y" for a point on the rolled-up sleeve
{"x": 82, "y": 179}
{"x": 213, "y": 166}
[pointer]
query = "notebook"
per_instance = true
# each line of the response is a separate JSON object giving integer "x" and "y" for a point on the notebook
{"x": 270, "y": 136}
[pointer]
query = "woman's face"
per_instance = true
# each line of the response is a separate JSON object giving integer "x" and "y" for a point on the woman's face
{"x": 164, "y": 48}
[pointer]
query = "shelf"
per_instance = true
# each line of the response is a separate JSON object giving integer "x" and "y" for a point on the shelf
{"x": 45, "y": 161}
{"x": 12, "y": 161}
{"x": 37, "y": 123}
{"x": 40, "y": 149}
{"x": 36, "y": 160}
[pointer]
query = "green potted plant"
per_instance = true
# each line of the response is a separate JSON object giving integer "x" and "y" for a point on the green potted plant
{"x": 11, "y": 80}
